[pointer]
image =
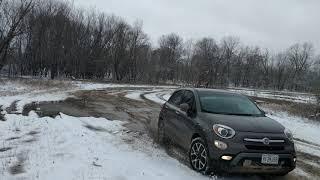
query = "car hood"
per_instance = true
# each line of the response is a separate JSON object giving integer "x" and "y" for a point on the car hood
{"x": 244, "y": 123}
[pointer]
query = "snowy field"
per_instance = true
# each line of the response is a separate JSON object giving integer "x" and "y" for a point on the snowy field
{"x": 63, "y": 148}
{"x": 69, "y": 148}
{"x": 280, "y": 95}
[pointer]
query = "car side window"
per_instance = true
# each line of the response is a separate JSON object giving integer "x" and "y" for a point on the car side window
{"x": 176, "y": 98}
{"x": 188, "y": 98}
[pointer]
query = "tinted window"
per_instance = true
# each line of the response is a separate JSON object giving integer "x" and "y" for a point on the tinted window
{"x": 188, "y": 98}
{"x": 176, "y": 98}
{"x": 221, "y": 103}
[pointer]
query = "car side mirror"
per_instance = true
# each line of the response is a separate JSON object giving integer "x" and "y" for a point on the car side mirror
{"x": 184, "y": 107}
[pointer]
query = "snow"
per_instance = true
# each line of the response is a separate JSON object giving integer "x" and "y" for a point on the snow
{"x": 11, "y": 87}
{"x": 64, "y": 148}
{"x": 95, "y": 86}
{"x": 305, "y": 131}
{"x": 67, "y": 147}
{"x": 302, "y": 128}
{"x": 135, "y": 95}
{"x": 279, "y": 95}
{"x": 159, "y": 96}
{"x": 35, "y": 96}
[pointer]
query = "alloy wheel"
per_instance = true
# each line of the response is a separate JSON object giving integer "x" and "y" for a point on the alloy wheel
{"x": 198, "y": 156}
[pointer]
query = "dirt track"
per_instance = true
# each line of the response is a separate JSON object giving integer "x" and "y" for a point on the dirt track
{"x": 141, "y": 118}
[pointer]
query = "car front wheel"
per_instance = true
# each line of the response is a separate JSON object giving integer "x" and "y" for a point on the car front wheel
{"x": 198, "y": 156}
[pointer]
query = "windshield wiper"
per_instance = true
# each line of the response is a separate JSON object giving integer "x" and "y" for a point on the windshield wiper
{"x": 239, "y": 114}
{"x": 232, "y": 114}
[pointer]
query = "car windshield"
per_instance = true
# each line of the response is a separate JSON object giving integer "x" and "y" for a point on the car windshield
{"x": 221, "y": 103}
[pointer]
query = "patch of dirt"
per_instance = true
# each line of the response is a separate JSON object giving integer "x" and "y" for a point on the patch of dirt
{"x": 101, "y": 103}
{"x": 18, "y": 167}
{"x": 12, "y": 109}
{"x": 2, "y": 116}
{"x": 94, "y": 128}
{"x": 30, "y": 140}
{"x": 309, "y": 168}
{"x": 32, "y": 133}
{"x": 29, "y": 107}
{"x": 308, "y": 157}
{"x": 5, "y": 149}
{"x": 12, "y": 138}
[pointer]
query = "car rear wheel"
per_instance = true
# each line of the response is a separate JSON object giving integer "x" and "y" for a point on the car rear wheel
{"x": 199, "y": 156}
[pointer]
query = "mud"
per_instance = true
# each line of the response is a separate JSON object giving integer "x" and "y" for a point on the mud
{"x": 5, "y": 149}
{"x": 18, "y": 167}
{"x": 12, "y": 109}
{"x": 140, "y": 116}
{"x": 2, "y": 118}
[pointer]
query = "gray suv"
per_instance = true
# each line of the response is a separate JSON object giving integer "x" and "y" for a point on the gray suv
{"x": 226, "y": 132}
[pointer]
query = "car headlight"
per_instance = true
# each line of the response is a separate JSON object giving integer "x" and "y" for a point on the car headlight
{"x": 288, "y": 134}
{"x": 223, "y": 131}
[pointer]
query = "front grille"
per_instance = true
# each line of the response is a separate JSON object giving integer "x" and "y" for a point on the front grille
{"x": 265, "y": 141}
{"x": 266, "y": 148}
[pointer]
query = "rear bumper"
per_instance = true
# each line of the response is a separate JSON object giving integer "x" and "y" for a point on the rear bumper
{"x": 251, "y": 163}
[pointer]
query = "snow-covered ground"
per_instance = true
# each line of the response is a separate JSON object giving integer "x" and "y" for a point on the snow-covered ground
{"x": 69, "y": 148}
{"x": 305, "y": 132}
{"x": 280, "y": 95}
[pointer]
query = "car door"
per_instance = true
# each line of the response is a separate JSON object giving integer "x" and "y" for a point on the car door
{"x": 171, "y": 108}
{"x": 185, "y": 121}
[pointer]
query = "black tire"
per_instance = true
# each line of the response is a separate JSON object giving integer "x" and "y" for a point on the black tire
{"x": 162, "y": 139}
{"x": 199, "y": 156}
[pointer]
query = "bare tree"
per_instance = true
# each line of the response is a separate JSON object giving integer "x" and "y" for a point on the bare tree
{"x": 299, "y": 56}
{"x": 12, "y": 15}
{"x": 171, "y": 49}
{"x": 229, "y": 47}
{"x": 52, "y": 38}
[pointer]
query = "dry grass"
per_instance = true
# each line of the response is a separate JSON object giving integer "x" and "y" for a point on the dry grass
{"x": 43, "y": 84}
{"x": 36, "y": 84}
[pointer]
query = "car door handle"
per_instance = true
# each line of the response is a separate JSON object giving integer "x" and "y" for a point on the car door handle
{"x": 177, "y": 112}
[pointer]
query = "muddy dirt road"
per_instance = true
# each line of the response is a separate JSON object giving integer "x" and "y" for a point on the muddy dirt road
{"x": 141, "y": 117}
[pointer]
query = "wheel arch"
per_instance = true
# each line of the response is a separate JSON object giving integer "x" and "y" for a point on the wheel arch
{"x": 198, "y": 134}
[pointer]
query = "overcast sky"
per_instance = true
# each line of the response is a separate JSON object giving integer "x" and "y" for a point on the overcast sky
{"x": 275, "y": 24}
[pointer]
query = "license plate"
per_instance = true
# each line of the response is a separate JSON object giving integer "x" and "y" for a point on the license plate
{"x": 270, "y": 159}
